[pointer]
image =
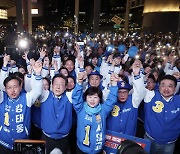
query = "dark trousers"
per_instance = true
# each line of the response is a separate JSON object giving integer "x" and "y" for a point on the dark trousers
{"x": 35, "y": 133}
{"x": 4, "y": 150}
{"x": 51, "y": 143}
{"x": 140, "y": 129}
{"x": 73, "y": 139}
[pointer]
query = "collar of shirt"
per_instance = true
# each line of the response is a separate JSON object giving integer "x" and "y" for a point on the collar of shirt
{"x": 13, "y": 99}
{"x": 58, "y": 97}
{"x": 167, "y": 100}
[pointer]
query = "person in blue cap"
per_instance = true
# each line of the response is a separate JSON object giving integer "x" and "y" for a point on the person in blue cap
{"x": 95, "y": 80}
{"x": 123, "y": 117}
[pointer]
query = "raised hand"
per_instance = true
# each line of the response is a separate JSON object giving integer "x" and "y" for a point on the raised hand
{"x": 110, "y": 59}
{"x": 24, "y": 56}
{"x": 32, "y": 62}
{"x": 88, "y": 51}
{"x": 136, "y": 68}
{"x": 80, "y": 60}
{"x": 42, "y": 53}
{"x": 12, "y": 62}
{"x": 77, "y": 47}
{"x": 81, "y": 76}
{"x": 37, "y": 67}
{"x": 114, "y": 79}
{"x": 6, "y": 60}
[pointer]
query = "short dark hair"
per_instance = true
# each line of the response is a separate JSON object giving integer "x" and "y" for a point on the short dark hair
{"x": 72, "y": 77}
{"x": 168, "y": 77}
{"x": 93, "y": 90}
{"x": 88, "y": 64}
{"x": 63, "y": 68}
{"x": 49, "y": 57}
{"x": 22, "y": 66}
{"x": 151, "y": 76}
{"x": 116, "y": 54}
{"x": 93, "y": 55}
{"x": 19, "y": 74}
{"x": 11, "y": 77}
{"x": 124, "y": 78}
{"x": 133, "y": 60}
{"x": 60, "y": 76}
{"x": 71, "y": 58}
{"x": 48, "y": 81}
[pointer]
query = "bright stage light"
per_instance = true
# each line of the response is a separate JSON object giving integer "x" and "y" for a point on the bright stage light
{"x": 137, "y": 57}
{"x": 23, "y": 43}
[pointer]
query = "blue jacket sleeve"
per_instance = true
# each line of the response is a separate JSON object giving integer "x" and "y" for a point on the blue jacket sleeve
{"x": 111, "y": 99}
{"x": 77, "y": 98}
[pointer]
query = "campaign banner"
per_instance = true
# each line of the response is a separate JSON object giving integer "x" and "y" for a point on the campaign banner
{"x": 114, "y": 139}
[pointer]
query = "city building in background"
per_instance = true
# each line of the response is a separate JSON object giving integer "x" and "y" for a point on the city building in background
{"x": 23, "y": 13}
{"x": 103, "y": 15}
{"x": 161, "y": 16}
{"x": 136, "y": 15}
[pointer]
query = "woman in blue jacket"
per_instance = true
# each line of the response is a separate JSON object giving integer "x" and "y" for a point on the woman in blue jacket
{"x": 92, "y": 114}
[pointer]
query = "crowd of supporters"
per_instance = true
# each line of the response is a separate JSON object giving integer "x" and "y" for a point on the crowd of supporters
{"x": 68, "y": 90}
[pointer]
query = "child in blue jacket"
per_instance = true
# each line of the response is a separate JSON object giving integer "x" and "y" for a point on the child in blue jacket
{"x": 92, "y": 114}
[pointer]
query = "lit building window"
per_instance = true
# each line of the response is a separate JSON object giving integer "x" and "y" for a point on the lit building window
{"x": 34, "y": 11}
{"x": 3, "y": 14}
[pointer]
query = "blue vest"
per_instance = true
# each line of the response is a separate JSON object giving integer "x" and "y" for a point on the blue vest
{"x": 123, "y": 118}
{"x": 15, "y": 120}
{"x": 162, "y": 119}
{"x": 56, "y": 116}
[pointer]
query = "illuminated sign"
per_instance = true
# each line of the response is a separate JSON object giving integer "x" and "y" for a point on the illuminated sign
{"x": 34, "y": 11}
{"x": 161, "y": 6}
{"x": 3, "y": 14}
{"x": 117, "y": 19}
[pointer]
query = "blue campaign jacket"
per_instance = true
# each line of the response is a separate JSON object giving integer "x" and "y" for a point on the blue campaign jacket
{"x": 123, "y": 118}
{"x": 15, "y": 119}
{"x": 91, "y": 129}
{"x": 162, "y": 119}
{"x": 56, "y": 116}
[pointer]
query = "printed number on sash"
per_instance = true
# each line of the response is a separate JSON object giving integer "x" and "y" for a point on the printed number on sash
{"x": 86, "y": 140}
{"x": 6, "y": 119}
{"x": 115, "y": 111}
{"x": 159, "y": 106}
